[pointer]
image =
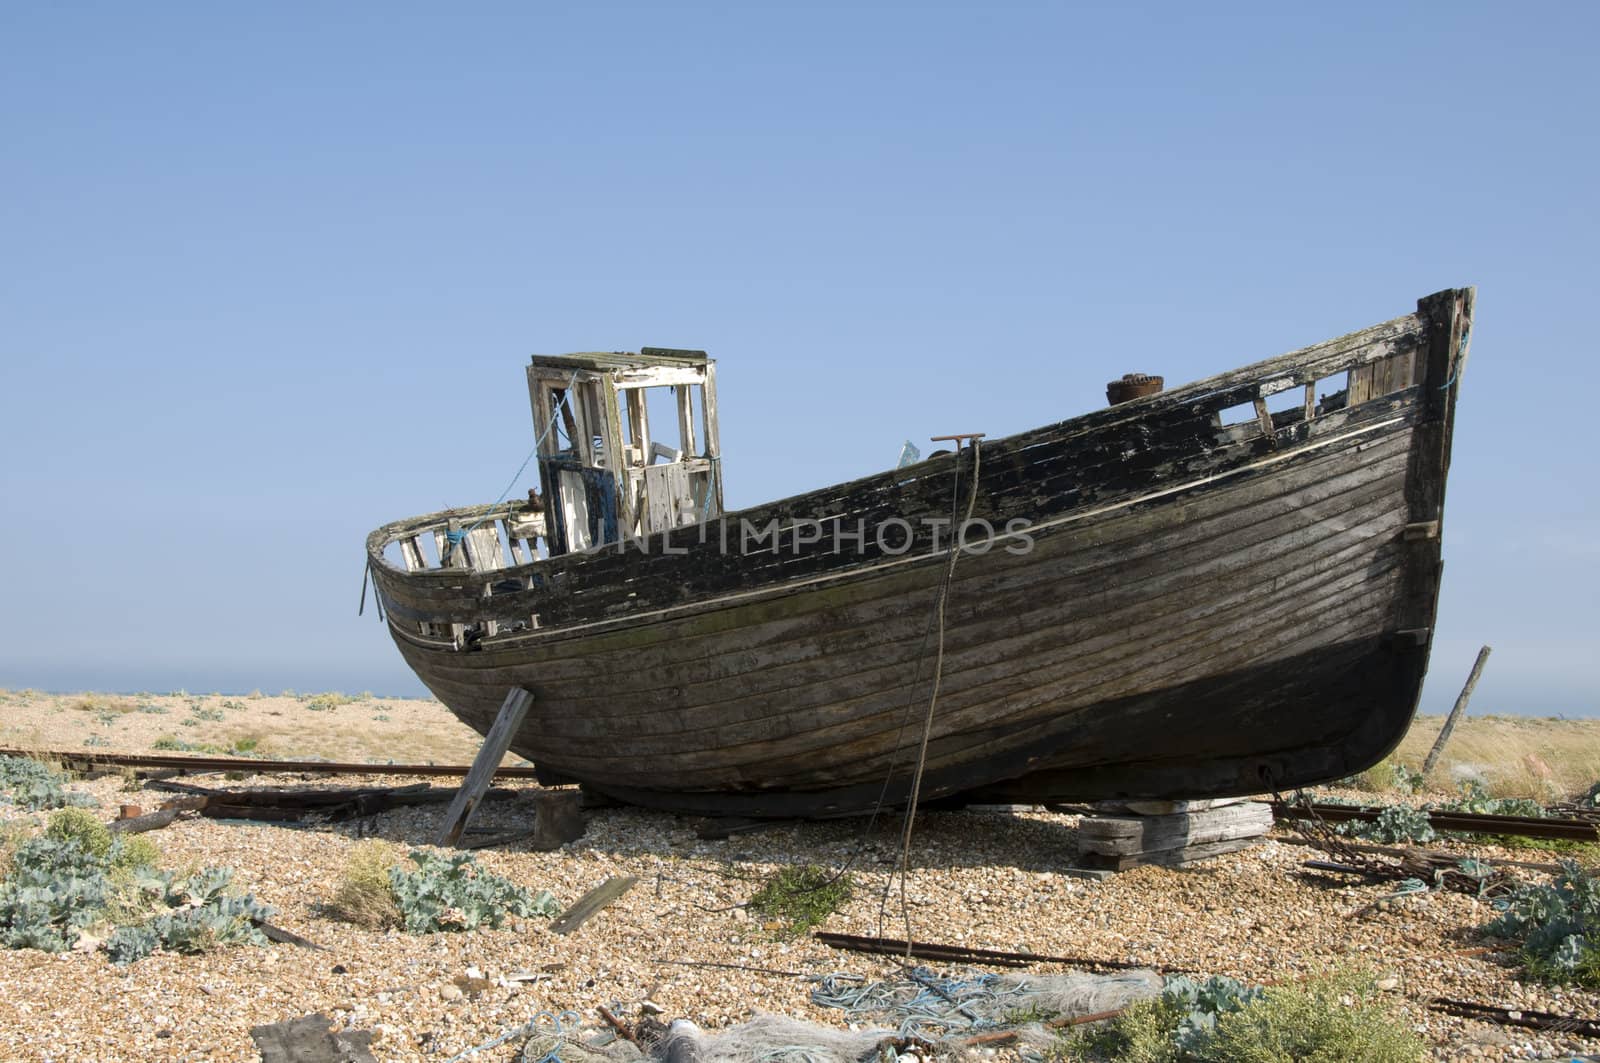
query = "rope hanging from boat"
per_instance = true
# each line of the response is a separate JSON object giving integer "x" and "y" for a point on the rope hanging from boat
{"x": 377, "y": 599}
{"x": 453, "y": 538}
{"x": 1461, "y": 357}
{"x": 711, "y": 486}
{"x": 956, "y": 530}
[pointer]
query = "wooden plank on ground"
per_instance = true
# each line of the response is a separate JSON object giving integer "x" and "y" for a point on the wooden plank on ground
{"x": 273, "y": 932}
{"x": 600, "y": 897}
{"x": 310, "y": 1039}
{"x": 148, "y": 821}
{"x": 506, "y": 724}
{"x": 557, "y": 820}
{"x": 496, "y": 839}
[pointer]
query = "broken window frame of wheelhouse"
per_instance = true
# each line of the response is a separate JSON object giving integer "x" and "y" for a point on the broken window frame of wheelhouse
{"x": 603, "y": 474}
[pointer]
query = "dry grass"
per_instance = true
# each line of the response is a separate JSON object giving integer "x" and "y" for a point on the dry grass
{"x": 12, "y": 834}
{"x": 1513, "y": 756}
{"x": 364, "y": 897}
{"x": 330, "y": 726}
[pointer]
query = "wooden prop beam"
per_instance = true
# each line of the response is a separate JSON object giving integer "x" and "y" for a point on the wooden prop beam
{"x": 506, "y": 724}
{"x": 1456, "y": 711}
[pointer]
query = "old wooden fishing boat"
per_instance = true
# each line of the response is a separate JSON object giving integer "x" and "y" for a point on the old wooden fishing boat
{"x": 1210, "y": 591}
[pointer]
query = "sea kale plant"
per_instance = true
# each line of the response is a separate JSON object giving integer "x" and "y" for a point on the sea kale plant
{"x": 1557, "y": 925}
{"x": 78, "y": 886}
{"x": 1407, "y": 779}
{"x": 194, "y": 914}
{"x": 1395, "y": 824}
{"x": 452, "y": 892}
{"x": 1474, "y": 798}
{"x": 35, "y": 786}
{"x": 1200, "y": 1004}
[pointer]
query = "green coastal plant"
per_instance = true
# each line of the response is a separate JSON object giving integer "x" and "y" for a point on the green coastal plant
{"x": 77, "y": 885}
{"x": 1474, "y": 798}
{"x": 173, "y": 744}
{"x": 801, "y": 897}
{"x": 1557, "y": 926}
{"x": 81, "y": 826}
{"x": 34, "y": 786}
{"x": 448, "y": 893}
{"x": 1330, "y": 1019}
{"x": 1395, "y": 824}
{"x": 328, "y": 702}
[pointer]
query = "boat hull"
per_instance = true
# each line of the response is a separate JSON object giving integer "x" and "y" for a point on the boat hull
{"x": 1252, "y": 611}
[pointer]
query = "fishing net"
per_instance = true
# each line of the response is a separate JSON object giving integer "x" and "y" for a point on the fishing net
{"x": 945, "y": 1011}
{"x": 920, "y": 1016}
{"x": 771, "y": 1039}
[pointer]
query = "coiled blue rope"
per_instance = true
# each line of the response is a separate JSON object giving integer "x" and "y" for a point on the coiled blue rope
{"x": 564, "y": 1023}
{"x": 924, "y": 1001}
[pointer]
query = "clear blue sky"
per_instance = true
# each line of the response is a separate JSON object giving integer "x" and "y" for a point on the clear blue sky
{"x": 269, "y": 274}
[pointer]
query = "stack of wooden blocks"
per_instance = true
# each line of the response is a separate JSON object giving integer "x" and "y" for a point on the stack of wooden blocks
{"x": 1124, "y": 834}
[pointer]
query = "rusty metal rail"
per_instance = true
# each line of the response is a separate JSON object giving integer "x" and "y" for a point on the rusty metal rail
{"x": 1502, "y": 1016}
{"x": 923, "y": 950}
{"x": 252, "y": 765}
{"x": 1581, "y": 830}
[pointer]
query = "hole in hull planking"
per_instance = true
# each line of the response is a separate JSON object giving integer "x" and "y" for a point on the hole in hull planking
{"x": 1290, "y": 400}
{"x": 1333, "y": 393}
{"x": 1244, "y": 413}
{"x": 1286, "y": 407}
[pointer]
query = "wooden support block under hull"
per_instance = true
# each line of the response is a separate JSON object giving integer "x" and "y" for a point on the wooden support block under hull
{"x": 1177, "y": 839}
{"x": 1132, "y": 835}
{"x": 1186, "y": 857}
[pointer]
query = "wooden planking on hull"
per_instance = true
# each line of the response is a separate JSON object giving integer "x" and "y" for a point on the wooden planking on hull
{"x": 1034, "y": 631}
{"x": 764, "y": 761}
{"x": 1108, "y": 548}
{"x": 744, "y": 627}
{"x": 1351, "y": 682}
{"x": 868, "y": 631}
{"x": 621, "y": 691}
{"x": 1207, "y": 651}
